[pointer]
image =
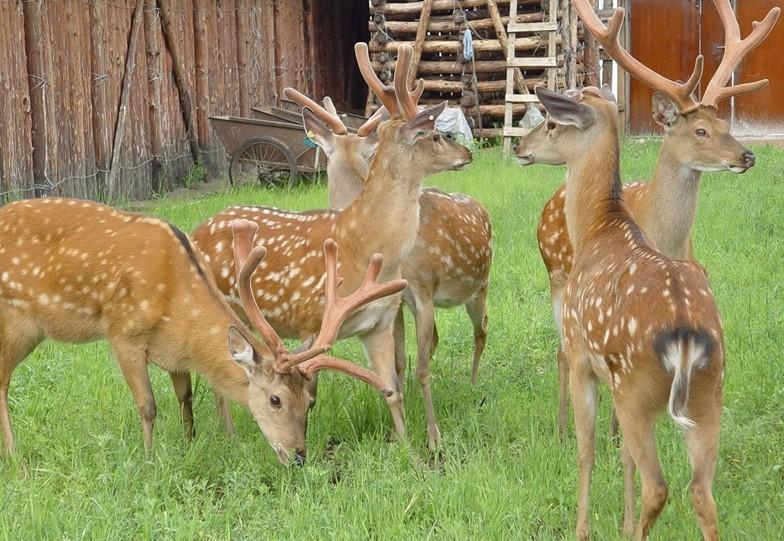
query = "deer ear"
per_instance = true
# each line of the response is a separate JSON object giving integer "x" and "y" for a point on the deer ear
{"x": 317, "y": 129}
{"x": 425, "y": 119}
{"x": 665, "y": 111}
{"x": 242, "y": 352}
{"x": 565, "y": 110}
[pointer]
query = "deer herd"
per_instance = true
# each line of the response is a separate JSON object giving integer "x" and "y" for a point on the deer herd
{"x": 632, "y": 307}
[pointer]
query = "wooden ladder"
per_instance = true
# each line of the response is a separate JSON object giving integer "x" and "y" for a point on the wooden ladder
{"x": 514, "y": 63}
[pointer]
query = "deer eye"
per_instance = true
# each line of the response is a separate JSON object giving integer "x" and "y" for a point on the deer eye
{"x": 550, "y": 125}
{"x": 275, "y": 401}
{"x": 701, "y": 132}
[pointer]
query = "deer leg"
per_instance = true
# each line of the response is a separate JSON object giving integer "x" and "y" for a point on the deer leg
{"x": 425, "y": 323}
{"x": 476, "y": 308}
{"x": 613, "y": 424}
{"x": 223, "y": 408}
{"x": 703, "y": 445}
{"x": 14, "y": 347}
{"x": 563, "y": 391}
{"x": 181, "y": 381}
{"x": 133, "y": 364}
{"x": 628, "y": 492}
{"x": 637, "y": 426}
{"x": 582, "y": 385}
{"x": 556, "y": 298}
{"x": 380, "y": 347}
{"x": 400, "y": 345}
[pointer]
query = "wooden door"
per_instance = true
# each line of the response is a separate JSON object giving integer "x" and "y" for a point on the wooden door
{"x": 664, "y": 36}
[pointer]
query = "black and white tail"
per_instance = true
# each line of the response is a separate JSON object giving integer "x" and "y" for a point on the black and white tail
{"x": 680, "y": 351}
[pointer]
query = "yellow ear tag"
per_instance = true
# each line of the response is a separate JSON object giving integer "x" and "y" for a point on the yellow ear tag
{"x": 310, "y": 134}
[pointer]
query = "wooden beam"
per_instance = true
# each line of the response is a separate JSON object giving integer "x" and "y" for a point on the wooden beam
{"x": 424, "y": 19}
{"x": 180, "y": 80}
{"x": 495, "y": 15}
{"x": 480, "y": 46}
{"x": 130, "y": 66}
{"x": 449, "y": 24}
{"x": 412, "y": 8}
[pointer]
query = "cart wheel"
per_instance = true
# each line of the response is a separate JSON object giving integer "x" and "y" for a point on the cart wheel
{"x": 265, "y": 160}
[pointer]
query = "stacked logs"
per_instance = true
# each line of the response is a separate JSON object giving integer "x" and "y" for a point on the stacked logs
{"x": 436, "y": 29}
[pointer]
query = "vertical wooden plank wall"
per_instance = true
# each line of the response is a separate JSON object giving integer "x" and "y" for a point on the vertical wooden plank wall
{"x": 62, "y": 66}
{"x": 16, "y": 150}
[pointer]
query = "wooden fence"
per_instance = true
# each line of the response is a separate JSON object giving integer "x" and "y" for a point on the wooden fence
{"x": 110, "y": 99}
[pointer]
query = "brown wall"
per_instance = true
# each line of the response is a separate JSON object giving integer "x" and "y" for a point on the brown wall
{"x": 62, "y": 72}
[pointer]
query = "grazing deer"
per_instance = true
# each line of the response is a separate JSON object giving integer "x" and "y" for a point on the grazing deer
{"x": 383, "y": 219}
{"x": 449, "y": 264}
{"x": 644, "y": 324}
{"x": 76, "y": 271}
{"x": 695, "y": 140}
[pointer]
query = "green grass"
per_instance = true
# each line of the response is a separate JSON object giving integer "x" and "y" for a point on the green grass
{"x": 80, "y": 471}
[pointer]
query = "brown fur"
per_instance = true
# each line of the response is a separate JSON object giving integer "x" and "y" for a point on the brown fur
{"x": 620, "y": 298}
{"x": 77, "y": 271}
{"x": 665, "y": 207}
{"x": 383, "y": 219}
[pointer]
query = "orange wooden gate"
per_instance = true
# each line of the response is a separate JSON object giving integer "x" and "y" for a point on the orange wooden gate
{"x": 668, "y": 34}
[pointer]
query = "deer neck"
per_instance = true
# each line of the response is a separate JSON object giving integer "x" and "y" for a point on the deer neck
{"x": 593, "y": 189}
{"x": 345, "y": 182}
{"x": 669, "y": 205}
{"x": 197, "y": 329}
{"x": 384, "y": 218}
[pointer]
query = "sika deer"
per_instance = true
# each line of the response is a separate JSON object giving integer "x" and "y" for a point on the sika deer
{"x": 641, "y": 322}
{"x": 76, "y": 271}
{"x": 695, "y": 140}
{"x": 450, "y": 262}
{"x": 384, "y": 219}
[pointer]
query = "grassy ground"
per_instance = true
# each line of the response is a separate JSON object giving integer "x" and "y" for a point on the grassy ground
{"x": 81, "y": 472}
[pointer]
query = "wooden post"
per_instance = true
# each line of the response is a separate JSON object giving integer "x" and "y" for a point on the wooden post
{"x": 591, "y": 61}
{"x": 180, "y": 81}
{"x": 575, "y": 42}
{"x": 424, "y": 20}
{"x": 500, "y": 31}
{"x": 130, "y": 66}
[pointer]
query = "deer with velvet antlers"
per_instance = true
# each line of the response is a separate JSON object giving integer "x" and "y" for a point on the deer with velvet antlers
{"x": 76, "y": 271}
{"x": 383, "y": 219}
{"x": 695, "y": 140}
{"x": 449, "y": 264}
{"x": 643, "y": 323}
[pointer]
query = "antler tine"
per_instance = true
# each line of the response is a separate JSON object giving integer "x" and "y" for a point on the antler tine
{"x": 337, "y": 309}
{"x": 372, "y": 123}
{"x": 680, "y": 93}
{"x": 735, "y": 50}
{"x": 246, "y": 260}
{"x": 324, "y": 362}
{"x": 384, "y": 93}
{"x": 329, "y": 106}
{"x": 332, "y": 119}
{"x": 404, "y": 97}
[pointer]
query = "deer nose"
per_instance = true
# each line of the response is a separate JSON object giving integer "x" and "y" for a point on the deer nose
{"x": 749, "y": 158}
{"x": 299, "y": 457}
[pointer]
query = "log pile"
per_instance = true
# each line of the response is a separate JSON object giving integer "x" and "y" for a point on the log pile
{"x": 436, "y": 29}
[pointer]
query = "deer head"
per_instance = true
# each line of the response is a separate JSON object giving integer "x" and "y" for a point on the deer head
{"x": 696, "y": 137}
{"x": 409, "y": 137}
{"x": 280, "y": 395}
{"x": 348, "y": 154}
{"x": 552, "y": 142}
